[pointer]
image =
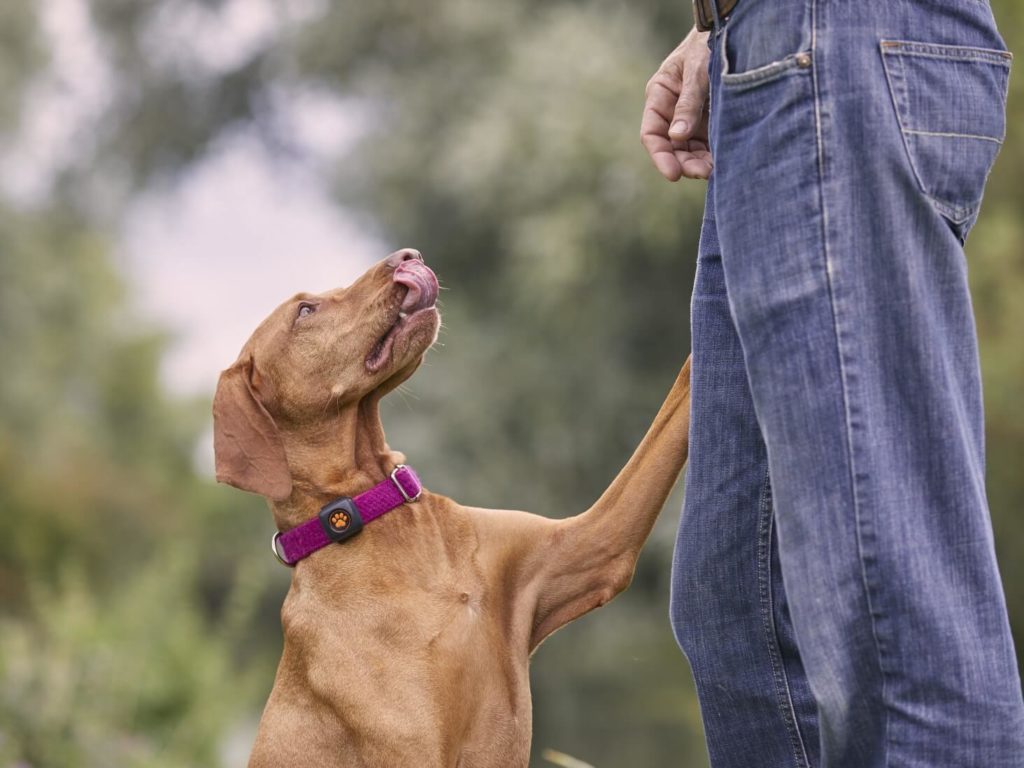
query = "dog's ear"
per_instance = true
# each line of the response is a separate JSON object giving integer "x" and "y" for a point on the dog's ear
{"x": 247, "y": 446}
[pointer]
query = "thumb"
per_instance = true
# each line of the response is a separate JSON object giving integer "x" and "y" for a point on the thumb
{"x": 687, "y": 114}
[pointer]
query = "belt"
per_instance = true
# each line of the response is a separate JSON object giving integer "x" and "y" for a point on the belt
{"x": 704, "y": 12}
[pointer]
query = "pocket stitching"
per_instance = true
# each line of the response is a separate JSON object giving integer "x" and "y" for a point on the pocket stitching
{"x": 950, "y": 52}
{"x": 891, "y": 51}
{"x": 948, "y": 135}
{"x": 899, "y": 115}
{"x": 765, "y": 73}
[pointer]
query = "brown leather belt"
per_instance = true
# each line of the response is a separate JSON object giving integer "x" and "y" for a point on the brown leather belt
{"x": 704, "y": 15}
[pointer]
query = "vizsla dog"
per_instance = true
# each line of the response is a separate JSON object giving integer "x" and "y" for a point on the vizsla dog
{"x": 408, "y": 645}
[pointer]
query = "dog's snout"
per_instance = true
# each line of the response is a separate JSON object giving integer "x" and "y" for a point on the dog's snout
{"x": 405, "y": 254}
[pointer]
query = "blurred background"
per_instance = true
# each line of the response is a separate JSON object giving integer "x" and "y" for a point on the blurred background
{"x": 172, "y": 169}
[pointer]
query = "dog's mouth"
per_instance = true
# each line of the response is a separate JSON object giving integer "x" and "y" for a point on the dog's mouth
{"x": 416, "y": 309}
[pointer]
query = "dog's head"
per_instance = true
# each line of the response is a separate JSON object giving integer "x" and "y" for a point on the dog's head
{"x": 314, "y": 355}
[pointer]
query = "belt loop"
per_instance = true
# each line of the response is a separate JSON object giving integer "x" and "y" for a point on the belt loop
{"x": 713, "y": 4}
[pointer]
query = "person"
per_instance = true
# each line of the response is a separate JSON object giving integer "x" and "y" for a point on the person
{"x": 835, "y": 586}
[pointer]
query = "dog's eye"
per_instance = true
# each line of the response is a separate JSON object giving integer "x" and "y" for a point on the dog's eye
{"x": 305, "y": 310}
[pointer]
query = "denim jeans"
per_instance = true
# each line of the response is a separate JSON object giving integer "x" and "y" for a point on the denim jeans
{"x": 835, "y": 586}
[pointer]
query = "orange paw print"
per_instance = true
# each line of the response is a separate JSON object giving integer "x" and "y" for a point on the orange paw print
{"x": 339, "y": 520}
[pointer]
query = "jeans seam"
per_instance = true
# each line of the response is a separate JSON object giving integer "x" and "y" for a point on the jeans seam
{"x": 991, "y": 56}
{"x": 948, "y": 135}
{"x": 766, "y": 595}
{"x": 843, "y": 377}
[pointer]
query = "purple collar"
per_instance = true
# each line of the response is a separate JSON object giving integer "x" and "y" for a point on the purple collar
{"x": 344, "y": 517}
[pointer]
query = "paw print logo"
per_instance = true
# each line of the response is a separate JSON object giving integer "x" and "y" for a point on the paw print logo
{"x": 340, "y": 520}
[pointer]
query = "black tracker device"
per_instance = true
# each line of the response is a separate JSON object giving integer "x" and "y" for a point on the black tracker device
{"x": 341, "y": 519}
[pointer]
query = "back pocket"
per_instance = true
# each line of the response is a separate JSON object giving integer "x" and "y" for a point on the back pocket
{"x": 951, "y": 105}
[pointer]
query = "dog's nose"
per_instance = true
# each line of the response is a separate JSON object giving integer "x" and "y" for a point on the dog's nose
{"x": 405, "y": 254}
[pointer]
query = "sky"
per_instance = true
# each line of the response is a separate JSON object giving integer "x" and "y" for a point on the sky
{"x": 209, "y": 258}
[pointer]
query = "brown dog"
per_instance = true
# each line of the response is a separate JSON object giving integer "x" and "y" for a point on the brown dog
{"x": 408, "y": 645}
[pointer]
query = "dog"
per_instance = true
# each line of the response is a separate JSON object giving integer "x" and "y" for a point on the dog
{"x": 409, "y": 643}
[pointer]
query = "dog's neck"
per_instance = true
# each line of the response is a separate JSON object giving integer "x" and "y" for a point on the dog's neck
{"x": 341, "y": 455}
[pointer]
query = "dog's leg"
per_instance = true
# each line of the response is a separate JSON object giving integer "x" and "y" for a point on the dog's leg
{"x": 590, "y": 558}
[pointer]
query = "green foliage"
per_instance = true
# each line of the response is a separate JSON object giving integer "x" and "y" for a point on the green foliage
{"x": 126, "y": 630}
{"x": 130, "y": 678}
{"x": 88, "y": 438}
{"x": 138, "y": 619}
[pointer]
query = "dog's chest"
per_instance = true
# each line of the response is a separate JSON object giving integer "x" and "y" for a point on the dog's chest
{"x": 432, "y": 666}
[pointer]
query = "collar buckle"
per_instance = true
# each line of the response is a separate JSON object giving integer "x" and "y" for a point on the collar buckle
{"x": 401, "y": 488}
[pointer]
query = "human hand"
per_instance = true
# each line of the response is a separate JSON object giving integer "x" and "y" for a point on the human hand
{"x": 674, "y": 129}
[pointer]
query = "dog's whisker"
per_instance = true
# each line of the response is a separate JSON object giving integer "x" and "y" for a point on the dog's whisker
{"x": 555, "y": 757}
{"x": 408, "y": 393}
{"x": 327, "y": 404}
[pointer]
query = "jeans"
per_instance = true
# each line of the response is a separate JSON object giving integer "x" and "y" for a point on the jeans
{"x": 835, "y": 586}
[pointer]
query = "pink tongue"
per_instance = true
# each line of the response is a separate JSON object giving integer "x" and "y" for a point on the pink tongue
{"x": 421, "y": 282}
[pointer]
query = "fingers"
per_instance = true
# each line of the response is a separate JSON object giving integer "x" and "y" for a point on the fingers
{"x": 673, "y": 128}
{"x": 689, "y": 158}
{"x": 693, "y": 95}
{"x": 661, "y": 99}
{"x": 695, "y": 165}
{"x": 694, "y": 154}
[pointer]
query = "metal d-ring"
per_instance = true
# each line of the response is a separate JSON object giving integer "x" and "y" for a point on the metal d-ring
{"x": 277, "y": 554}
